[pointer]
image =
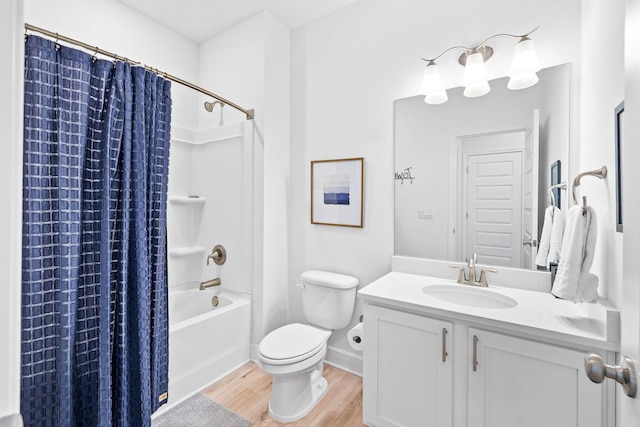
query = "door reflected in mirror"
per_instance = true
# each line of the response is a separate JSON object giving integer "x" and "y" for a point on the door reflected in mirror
{"x": 480, "y": 170}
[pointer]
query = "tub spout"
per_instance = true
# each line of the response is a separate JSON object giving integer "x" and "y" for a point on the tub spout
{"x": 209, "y": 283}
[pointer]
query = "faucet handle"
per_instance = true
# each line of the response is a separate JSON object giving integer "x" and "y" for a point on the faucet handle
{"x": 483, "y": 276}
{"x": 218, "y": 255}
{"x": 461, "y": 276}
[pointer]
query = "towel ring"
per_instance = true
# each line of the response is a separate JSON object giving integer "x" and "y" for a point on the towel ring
{"x": 562, "y": 186}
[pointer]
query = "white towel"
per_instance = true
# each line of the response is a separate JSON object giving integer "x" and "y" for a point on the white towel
{"x": 557, "y": 233}
{"x": 545, "y": 238}
{"x": 573, "y": 280}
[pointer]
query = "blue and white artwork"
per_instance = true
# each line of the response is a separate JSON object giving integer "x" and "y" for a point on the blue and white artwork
{"x": 337, "y": 192}
{"x": 336, "y": 189}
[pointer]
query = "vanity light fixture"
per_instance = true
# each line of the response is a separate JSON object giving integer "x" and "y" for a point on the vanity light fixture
{"x": 522, "y": 73}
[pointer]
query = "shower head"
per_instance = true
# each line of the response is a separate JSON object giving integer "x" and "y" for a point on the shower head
{"x": 209, "y": 105}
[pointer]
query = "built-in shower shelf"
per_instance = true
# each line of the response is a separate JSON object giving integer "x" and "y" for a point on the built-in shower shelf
{"x": 187, "y": 251}
{"x": 187, "y": 200}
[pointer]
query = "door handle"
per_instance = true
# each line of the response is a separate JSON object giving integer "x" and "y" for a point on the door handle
{"x": 597, "y": 371}
{"x": 532, "y": 243}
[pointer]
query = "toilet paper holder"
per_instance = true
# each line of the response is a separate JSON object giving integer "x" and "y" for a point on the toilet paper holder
{"x": 356, "y": 338}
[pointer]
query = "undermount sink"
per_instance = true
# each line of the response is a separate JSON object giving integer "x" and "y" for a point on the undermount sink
{"x": 471, "y": 297}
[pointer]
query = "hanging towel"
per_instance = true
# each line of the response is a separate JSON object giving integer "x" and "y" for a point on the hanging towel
{"x": 557, "y": 233}
{"x": 573, "y": 280}
{"x": 545, "y": 238}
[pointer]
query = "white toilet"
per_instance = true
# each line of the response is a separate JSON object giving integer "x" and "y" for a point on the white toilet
{"x": 294, "y": 353}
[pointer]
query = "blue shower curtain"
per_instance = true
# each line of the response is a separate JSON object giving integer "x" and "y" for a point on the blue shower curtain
{"x": 94, "y": 270}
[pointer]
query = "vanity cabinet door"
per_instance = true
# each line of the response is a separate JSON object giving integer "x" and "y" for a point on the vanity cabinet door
{"x": 407, "y": 369}
{"x": 517, "y": 382}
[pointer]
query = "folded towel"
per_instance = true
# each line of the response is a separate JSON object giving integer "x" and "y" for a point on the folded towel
{"x": 573, "y": 280}
{"x": 545, "y": 238}
{"x": 588, "y": 286}
{"x": 557, "y": 233}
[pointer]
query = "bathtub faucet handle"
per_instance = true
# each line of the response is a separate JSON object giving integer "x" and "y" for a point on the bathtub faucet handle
{"x": 218, "y": 255}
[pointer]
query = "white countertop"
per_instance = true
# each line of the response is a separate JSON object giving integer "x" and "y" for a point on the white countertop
{"x": 538, "y": 315}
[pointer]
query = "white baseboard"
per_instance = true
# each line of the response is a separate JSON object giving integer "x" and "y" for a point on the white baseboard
{"x": 253, "y": 353}
{"x": 341, "y": 359}
{"x": 344, "y": 360}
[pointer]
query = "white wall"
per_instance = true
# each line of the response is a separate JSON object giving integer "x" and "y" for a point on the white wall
{"x": 249, "y": 64}
{"x": 11, "y": 50}
{"x": 116, "y": 28}
{"x": 602, "y": 89}
{"x": 348, "y": 68}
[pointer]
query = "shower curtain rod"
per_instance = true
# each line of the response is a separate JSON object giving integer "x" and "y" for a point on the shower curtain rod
{"x": 249, "y": 113}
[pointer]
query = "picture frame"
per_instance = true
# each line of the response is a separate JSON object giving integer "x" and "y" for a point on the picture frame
{"x": 556, "y": 175}
{"x": 619, "y": 127}
{"x": 337, "y": 192}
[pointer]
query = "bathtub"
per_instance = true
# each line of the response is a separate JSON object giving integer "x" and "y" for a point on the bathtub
{"x": 205, "y": 342}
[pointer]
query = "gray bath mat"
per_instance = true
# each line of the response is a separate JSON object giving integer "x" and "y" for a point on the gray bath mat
{"x": 200, "y": 411}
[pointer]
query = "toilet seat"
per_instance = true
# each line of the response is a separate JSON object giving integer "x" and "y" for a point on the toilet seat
{"x": 291, "y": 344}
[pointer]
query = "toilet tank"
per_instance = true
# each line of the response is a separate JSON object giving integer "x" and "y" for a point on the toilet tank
{"x": 328, "y": 299}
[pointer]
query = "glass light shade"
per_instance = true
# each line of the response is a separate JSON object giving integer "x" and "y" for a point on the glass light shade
{"x": 522, "y": 81}
{"x": 437, "y": 97}
{"x": 524, "y": 66}
{"x": 432, "y": 85}
{"x": 475, "y": 76}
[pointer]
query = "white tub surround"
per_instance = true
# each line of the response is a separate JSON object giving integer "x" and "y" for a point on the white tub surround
{"x": 430, "y": 358}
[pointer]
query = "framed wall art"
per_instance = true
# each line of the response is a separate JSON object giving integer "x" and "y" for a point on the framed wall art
{"x": 337, "y": 192}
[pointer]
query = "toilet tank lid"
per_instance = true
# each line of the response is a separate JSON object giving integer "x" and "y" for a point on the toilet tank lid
{"x": 328, "y": 279}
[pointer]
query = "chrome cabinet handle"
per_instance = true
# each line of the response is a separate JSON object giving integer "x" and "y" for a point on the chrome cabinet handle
{"x": 444, "y": 345}
{"x": 532, "y": 243}
{"x": 475, "y": 353}
{"x": 597, "y": 371}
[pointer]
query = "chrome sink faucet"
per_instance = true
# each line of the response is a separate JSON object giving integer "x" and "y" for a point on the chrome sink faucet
{"x": 471, "y": 265}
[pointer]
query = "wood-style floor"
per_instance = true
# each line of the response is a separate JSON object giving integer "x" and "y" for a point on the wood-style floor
{"x": 246, "y": 392}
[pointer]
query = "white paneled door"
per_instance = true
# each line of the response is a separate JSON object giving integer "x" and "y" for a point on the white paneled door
{"x": 494, "y": 208}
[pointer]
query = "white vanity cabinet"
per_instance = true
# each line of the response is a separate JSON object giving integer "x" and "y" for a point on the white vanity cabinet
{"x": 519, "y": 382}
{"x": 442, "y": 354}
{"x": 408, "y": 369}
{"x": 501, "y": 380}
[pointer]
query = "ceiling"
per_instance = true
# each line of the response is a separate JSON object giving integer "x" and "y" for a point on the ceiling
{"x": 199, "y": 20}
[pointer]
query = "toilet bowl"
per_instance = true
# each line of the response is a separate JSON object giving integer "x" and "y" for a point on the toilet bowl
{"x": 294, "y": 354}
